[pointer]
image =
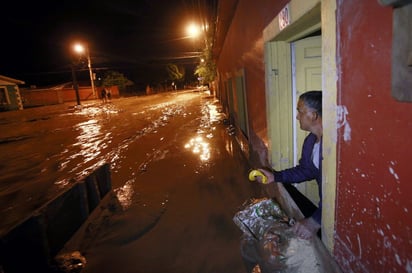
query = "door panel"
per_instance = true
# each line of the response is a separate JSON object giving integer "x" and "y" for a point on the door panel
{"x": 308, "y": 76}
{"x": 279, "y": 105}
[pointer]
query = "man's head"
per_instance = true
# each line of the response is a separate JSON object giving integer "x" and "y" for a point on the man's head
{"x": 309, "y": 110}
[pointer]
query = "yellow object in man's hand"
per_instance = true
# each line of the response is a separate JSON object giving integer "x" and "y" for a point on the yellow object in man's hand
{"x": 255, "y": 173}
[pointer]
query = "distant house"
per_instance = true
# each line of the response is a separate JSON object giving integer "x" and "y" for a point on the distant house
{"x": 10, "y": 98}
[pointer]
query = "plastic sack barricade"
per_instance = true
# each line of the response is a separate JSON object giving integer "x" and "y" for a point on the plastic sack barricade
{"x": 268, "y": 244}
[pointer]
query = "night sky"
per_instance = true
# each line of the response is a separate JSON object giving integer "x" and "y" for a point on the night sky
{"x": 134, "y": 37}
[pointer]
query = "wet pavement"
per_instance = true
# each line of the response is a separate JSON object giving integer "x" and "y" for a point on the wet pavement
{"x": 178, "y": 178}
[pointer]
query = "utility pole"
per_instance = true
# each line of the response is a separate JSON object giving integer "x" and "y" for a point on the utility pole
{"x": 89, "y": 64}
{"x": 75, "y": 85}
{"x": 81, "y": 49}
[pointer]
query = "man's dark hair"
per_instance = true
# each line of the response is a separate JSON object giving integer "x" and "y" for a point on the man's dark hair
{"x": 313, "y": 99}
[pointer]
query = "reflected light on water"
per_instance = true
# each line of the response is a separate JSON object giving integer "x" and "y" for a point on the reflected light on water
{"x": 125, "y": 194}
{"x": 214, "y": 113}
{"x": 199, "y": 147}
{"x": 90, "y": 142}
{"x": 107, "y": 109}
{"x": 229, "y": 147}
{"x": 90, "y": 139}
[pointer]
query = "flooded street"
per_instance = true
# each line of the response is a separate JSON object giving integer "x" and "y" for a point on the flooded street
{"x": 178, "y": 178}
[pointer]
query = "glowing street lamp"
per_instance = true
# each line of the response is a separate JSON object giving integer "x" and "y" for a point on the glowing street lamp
{"x": 193, "y": 30}
{"x": 79, "y": 48}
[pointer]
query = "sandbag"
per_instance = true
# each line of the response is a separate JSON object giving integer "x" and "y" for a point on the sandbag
{"x": 268, "y": 244}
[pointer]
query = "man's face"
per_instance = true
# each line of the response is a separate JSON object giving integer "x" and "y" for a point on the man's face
{"x": 305, "y": 116}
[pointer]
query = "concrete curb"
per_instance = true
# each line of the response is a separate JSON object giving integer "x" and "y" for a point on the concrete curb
{"x": 31, "y": 245}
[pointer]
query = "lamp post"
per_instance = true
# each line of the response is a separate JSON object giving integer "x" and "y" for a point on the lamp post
{"x": 79, "y": 48}
{"x": 195, "y": 31}
{"x": 75, "y": 85}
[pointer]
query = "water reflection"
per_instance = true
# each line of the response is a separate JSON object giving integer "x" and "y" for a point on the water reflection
{"x": 229, "y": 146}
{"x": 199, "y": 147}
{"x": 106, "y": 109}
{"x": 125, "y": 194}
{"x": 198, "y": 144}
{"x": 90, "y": 141}
{"x": 214, "y": 114}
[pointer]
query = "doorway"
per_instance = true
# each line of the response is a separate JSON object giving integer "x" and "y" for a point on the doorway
{"x": 306, "y": 57}
{"x": 295, "y": 68}
{"x": 306, "y": 17}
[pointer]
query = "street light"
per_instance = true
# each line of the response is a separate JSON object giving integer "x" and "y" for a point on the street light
{"x": 79, "y": 48}
{"x": 206, "y": 70}
{"x": 193, "y": 30}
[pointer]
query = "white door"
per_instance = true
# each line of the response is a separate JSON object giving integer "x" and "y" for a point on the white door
{"x": 307, "y": 76}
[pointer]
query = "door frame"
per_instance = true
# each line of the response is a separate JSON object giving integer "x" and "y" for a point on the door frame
{"x": 306, "y": 17}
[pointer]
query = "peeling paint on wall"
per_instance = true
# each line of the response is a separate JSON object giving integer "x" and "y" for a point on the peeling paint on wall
{"x": 359, "y": 245}
{"x": 392, "y": 171}
{"x": 341, "y": 121}
{"x": 409, "y": 266}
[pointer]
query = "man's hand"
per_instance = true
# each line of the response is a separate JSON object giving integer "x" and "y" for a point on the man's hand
{"x": 268, "y": 174}
{"x": 306, "y": 228}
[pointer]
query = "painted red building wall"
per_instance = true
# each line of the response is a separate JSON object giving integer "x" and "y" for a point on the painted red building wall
{"x": 374, "y": 189}
{"x": 244, "y": 49}
{"x": 373, "y": 185}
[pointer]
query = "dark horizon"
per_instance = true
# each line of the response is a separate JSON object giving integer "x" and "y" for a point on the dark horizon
{"x": 137, "y": 39}
{"x": 140, "y": 76}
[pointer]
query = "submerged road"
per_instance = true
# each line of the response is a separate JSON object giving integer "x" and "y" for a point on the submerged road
{"x": 178, "y": 178}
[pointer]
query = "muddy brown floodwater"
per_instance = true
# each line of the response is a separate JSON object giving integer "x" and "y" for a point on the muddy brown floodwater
{"x": 178, "y": 178}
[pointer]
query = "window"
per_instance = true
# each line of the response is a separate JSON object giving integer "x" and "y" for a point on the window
{"x": 4, "y": 96}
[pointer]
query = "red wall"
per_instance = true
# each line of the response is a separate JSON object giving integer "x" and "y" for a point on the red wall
{"x": 374, "y": 187}
{"x": 243, "y": 48}
{"x": 374, "y": 173}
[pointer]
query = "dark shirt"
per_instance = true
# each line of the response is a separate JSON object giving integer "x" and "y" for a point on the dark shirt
{"x": 305, "y": 171}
